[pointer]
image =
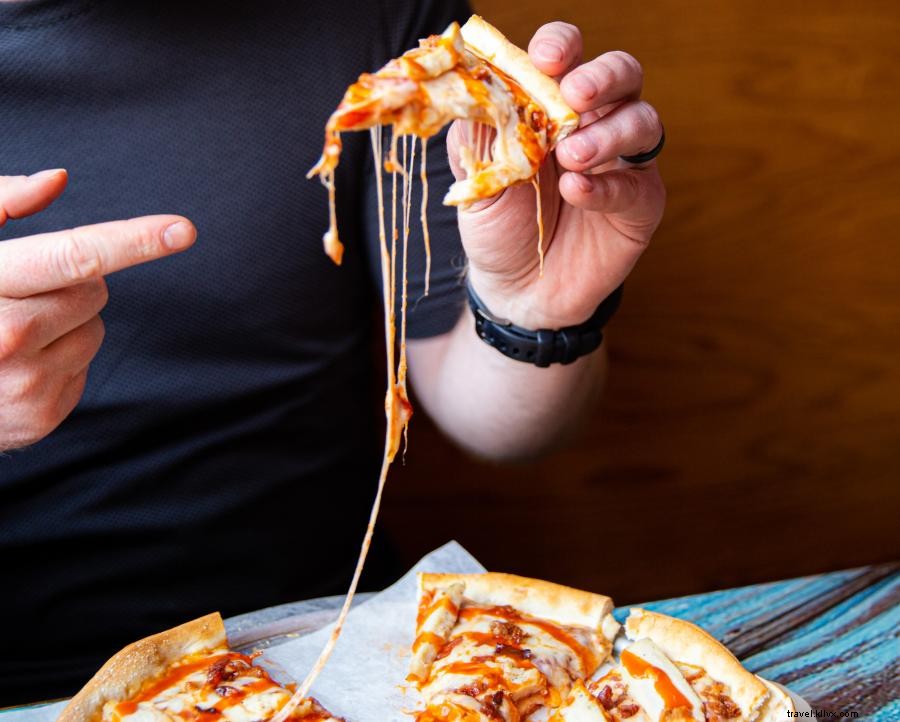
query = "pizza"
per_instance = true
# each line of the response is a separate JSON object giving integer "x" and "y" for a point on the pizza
{"x": 673, "y": 671}
{"x": 184, "y": 674}
{"x": 471, "y": 72}
{"x": 501, "y": 648}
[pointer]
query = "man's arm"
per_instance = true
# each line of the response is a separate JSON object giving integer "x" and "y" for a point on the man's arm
{"x": 497, "y": 407}
{"x": 599, "y": 213}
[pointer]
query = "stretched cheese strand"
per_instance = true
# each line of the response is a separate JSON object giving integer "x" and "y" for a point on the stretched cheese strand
{"x": 536, "y": 182}
{"x": 424, "y": 211}
{"x": 333, "y": 246}
{"x": 387, "y": 277}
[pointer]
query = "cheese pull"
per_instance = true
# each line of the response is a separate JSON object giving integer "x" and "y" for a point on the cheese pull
{"x": 657, "y": 685}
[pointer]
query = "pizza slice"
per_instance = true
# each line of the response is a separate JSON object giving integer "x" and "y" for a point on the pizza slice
{"x": 672, "y": 671}
{"x": 502, "y": 647}
{"x": 185, "y": 674}
{"x": 471, "y": 72}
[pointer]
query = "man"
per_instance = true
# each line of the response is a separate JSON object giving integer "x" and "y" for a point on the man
{"x": 218, "y": 450}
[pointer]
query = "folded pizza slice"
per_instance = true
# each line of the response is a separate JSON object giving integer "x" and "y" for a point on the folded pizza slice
{"x": 672, "y": 671}
{"x": 502, "y": 647}
{"x": 471, "y": 72}
{"x": 185, "y": 673}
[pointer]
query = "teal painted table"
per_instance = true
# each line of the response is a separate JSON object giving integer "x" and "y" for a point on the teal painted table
{"x": 834, "y": 639}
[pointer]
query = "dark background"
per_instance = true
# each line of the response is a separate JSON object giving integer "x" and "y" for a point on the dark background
{"x": 751, "y": 426}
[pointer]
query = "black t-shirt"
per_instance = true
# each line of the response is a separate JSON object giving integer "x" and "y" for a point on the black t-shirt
{"x": 225, "y": 452}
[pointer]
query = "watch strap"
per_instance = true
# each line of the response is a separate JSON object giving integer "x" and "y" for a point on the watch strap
{"x": 543, "y": 346}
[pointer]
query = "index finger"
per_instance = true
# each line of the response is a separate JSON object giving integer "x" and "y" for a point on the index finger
{"x": 45, "y": 262}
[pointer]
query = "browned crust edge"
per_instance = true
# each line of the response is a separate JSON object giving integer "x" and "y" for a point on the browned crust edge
{"x": 684, "y": 642}
{"x": 125, "y": 672}
{"x": 488, "y": 43}
{"x": 536, "y": 597}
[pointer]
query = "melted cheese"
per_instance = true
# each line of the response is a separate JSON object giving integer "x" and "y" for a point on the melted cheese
{"x": 498, "y": 653}
{"x": 658, "y": 685}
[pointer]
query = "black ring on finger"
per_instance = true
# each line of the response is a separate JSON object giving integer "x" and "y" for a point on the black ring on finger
{"x": 649, "y": 155}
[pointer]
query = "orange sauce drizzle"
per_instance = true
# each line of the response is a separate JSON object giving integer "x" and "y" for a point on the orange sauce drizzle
{"x": 585, "y": 655}
{"x": 176, "y": 676}
{"x": 427, "y": 608}
{"x": 427, "y": 638}
{"x": 670, "y": 694}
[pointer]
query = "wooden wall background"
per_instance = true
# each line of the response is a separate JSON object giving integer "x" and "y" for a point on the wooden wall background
{"x": 751, "y": 425}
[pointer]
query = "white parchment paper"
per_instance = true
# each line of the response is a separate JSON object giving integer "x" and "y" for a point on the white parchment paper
{"x": 364, "y": 680}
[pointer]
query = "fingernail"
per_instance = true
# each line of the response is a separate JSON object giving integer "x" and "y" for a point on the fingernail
{"x": 550, "y": 52}
{"x": 581, "y": 147}
{"x": 584, "y": 86}
{"x": 179, "y": 235}
{"x": 583, "y": 182}
{"x": 45, "y": 174}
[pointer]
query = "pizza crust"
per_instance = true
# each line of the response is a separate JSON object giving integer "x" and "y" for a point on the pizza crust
{"x": 684, "y": 642}
{"x": 126, "y": 671}
{"x": 485, "y": 41}
{"x": 544, "y": 600}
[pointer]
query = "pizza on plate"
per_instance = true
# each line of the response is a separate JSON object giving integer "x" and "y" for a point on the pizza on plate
{"x": 184, "y": 674}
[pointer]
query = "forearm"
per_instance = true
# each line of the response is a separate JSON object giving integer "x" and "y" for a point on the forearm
{"x": 497, "y": 407}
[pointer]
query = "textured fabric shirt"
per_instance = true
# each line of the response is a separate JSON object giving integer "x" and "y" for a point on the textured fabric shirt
{"x": 225, "y": 451}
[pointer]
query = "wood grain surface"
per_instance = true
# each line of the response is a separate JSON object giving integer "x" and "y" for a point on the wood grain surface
{"x": 752, "y": 415}
{"x": 832, "y": 639}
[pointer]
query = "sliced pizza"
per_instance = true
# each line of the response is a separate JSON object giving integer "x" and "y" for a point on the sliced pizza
{"x": 672, "y": 671}
{"x": 502, "y": 647}
{"x": 185, "y": 674}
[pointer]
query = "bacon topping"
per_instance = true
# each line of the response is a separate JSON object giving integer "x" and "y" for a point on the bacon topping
{"x": 507, "y": 633}
{"x": 717, "y": 707}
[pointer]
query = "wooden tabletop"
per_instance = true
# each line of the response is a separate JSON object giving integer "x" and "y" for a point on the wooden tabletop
{"x": 834, "y": 639}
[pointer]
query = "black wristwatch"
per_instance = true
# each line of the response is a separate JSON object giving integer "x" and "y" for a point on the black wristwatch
{"x": 544, "y": 346}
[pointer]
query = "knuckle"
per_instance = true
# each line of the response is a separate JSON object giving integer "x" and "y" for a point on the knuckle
{"x": 99, "y": 331}
{"x": 627, "y": 63}
{"x": 604, "y": 75}
{"x": 94, "y": 293}
{"x": 25, "y": 386}
{"x": 15, "y": 330}
{"x": 650, "y": 116}
{"x": 147, "y": 243}
{"x": 77, "y": 259}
